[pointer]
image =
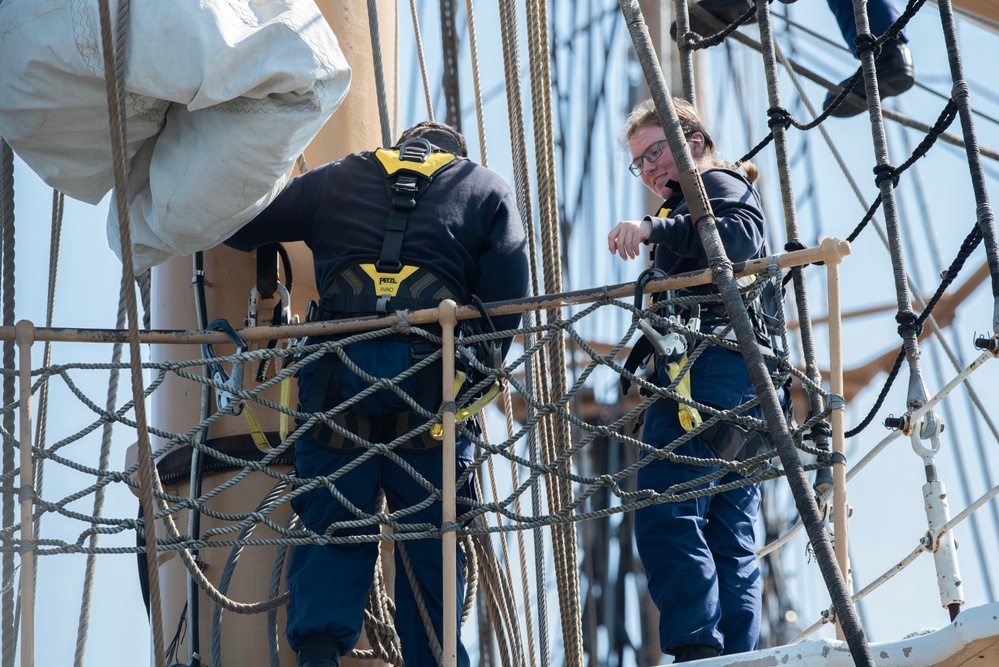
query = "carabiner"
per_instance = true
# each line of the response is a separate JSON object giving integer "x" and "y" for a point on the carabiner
{"x": 226, "y": 401}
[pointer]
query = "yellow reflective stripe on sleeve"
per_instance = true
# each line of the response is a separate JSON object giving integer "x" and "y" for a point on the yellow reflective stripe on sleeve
{"x": 664, "y": 212}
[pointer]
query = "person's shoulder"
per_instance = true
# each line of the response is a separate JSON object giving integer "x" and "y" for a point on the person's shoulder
{"x": 479, "y": 176}
{"x": 725, "y": 178}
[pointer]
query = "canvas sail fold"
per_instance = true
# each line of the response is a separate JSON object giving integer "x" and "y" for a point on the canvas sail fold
{"x": 220, "y": 99}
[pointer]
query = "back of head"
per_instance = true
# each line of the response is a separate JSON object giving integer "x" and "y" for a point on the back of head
{"x": 443, "y": 136}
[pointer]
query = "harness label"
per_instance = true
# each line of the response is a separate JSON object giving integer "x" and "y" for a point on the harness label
{"x": 387, "y": 283}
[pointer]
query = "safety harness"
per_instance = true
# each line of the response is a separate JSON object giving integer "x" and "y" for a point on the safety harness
{"x": 385, "y": 286}
{"x": 728, "y": 440}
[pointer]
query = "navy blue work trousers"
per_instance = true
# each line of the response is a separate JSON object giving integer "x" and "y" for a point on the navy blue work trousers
{"x": 329, "y": 583}
{"x": 880, "y": 14}
{"x": 699, "y": 554}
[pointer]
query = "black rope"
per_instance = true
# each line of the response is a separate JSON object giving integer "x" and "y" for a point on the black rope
{"x": 944, "y": 120}
{"x": 696, "y": 42}
{"x": 864, "y": 42}
{"x": 907, "y": 323}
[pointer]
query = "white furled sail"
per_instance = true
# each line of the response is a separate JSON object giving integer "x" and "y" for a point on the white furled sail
{"x": 220, "y": 99}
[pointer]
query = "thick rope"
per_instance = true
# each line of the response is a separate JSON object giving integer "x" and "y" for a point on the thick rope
{"x": 779, "y": 132}
{"x": 449, "y": 49}
{"x": 962, "y": 95}
{"x": 687, "y": 88}
{"x": 7, "y": 628}
{"x": 376, "y": 53}
{"x": 560, "y": 492}
{"x": 511, "y": 68}
{"x": 147, "y": 471}
{"x": 917, "y": 392}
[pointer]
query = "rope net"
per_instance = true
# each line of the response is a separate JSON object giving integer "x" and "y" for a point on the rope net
{"x": 505, "y": 461}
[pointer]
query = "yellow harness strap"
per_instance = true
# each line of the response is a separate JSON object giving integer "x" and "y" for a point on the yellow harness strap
{"x": 689, "y": 416}
{"x": 473, "y": 408}
{"x": 256, "y": 431}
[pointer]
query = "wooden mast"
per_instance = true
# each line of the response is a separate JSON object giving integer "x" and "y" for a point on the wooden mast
{"x": 229, "y": 276}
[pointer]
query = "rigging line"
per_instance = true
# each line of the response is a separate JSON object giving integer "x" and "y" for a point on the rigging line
{"x": 955, "y": 357}
{"x": 41, "y": 427}
{"x": 508, "y": 605}
{"x": 958, "y": 379}
{"x": 559, "y": 490}
{"x": 7, "y": 573}
{"x": 476, "y": 85}
{"x": 972, "y": 17}
{"x": 376, "y": 55}
{"x": 593, "y": 106}
{"x": 986, "y": 218}
{"x": 449, "y": 60}
{"x": 522, "y": 551}
{"x": 886, "y": 113}
{"x": 823, "y": 478}
{"x": 147, "y": 472}
{"x": 908, "y": 322}
{"x": 970, "y": 243}
{"x": 511, "y": 67}
{"x": 839, "y": 46}
{"x": 938, "y": 372}
{"x": 686, "y": 53}
{"x": 99, "y": 495}
{"x": 422, "y": 59}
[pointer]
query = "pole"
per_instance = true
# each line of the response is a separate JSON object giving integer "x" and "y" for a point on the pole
{"x": 26, "y": 493}
{"x": 837, "y": 417}
{"x": 449, "y": 536}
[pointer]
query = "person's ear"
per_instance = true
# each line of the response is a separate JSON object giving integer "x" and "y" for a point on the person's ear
{"x": 696, "y": 143}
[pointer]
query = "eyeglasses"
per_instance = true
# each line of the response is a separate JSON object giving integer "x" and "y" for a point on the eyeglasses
{"x": 651, "y": 154}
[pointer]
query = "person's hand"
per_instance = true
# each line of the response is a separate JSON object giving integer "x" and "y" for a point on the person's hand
{"x": 627, "y": 237}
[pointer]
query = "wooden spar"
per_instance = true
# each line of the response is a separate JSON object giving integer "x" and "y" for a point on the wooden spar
{"x": 985, "y": 9}
{"x": 265, "y": 333}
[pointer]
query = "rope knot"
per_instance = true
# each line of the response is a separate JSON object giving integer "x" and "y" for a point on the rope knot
{"x": 791, "y": 246}
{"x": 885, "y": 172}
{"x": 908, "y": 323}
{"x": 867, "y": 42}
{"x": 779, "y": 116}
{"x": 820, "y": 431}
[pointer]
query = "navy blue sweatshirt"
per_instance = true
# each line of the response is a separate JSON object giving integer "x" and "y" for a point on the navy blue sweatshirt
{"x": 465, "y": 228}
{"x": 738, "y": 216}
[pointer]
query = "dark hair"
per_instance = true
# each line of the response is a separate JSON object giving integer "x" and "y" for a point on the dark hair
{"x": 644, "y": 115}
{"x": 443, "y": 136}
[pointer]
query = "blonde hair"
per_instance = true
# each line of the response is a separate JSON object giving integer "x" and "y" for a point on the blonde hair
{"x": 644, "y": 115}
